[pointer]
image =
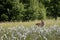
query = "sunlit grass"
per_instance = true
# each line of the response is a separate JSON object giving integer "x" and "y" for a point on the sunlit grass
{"x": 30, "y": 23}
{"x": 18, "y": 31}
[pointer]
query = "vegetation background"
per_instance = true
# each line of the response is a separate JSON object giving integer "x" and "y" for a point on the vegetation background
{"x": 18, "y": 19}
{"x": 26, "y": 10}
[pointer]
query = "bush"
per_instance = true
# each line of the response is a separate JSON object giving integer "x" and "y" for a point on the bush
{"x": 4, "y": 17}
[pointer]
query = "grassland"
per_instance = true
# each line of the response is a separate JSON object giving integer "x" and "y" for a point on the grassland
{"x": 31, "y": 33}
{"x": 30, "y": 23}
{"x": 19, "y": 32}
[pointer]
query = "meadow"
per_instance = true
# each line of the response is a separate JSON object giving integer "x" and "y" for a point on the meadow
{"x": 30, "y": 23}
{"x": 21, "y": 19}
{"x": 29, "y": 31}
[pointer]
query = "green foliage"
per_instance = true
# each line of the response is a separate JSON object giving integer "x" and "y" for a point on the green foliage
{"x": 53, "y": 8}
{"x": 4, "y": 17}
{"x": 25, "y": 10}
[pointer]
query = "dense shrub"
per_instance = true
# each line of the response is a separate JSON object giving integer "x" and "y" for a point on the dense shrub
{"x": 25, "y": 10}
{"x": 4, "y": 17}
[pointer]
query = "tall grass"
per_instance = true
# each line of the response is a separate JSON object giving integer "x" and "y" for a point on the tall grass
{"x": 31, "y": 33}
{"x": 30, "y": 23}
